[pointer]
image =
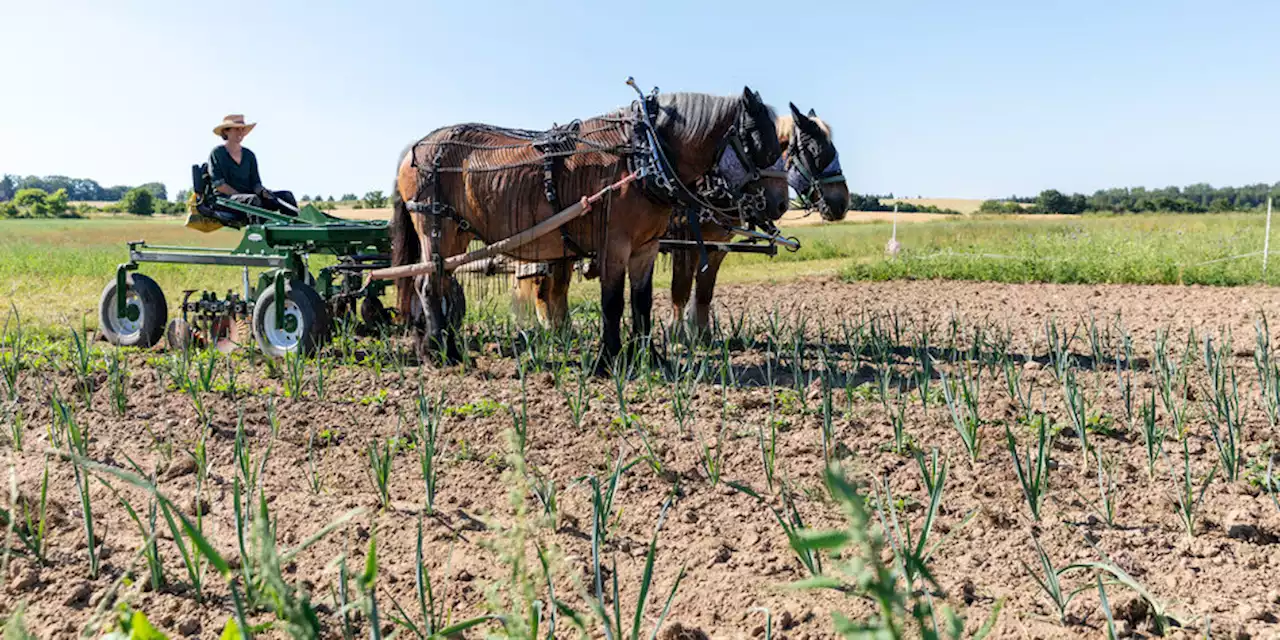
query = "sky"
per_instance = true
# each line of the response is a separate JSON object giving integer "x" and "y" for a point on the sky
{"x": 934, "y": 98}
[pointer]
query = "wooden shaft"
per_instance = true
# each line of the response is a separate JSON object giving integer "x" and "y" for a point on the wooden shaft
{"x": 512, "y": 243}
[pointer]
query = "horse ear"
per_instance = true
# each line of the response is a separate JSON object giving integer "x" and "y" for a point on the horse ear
{"x": 813, "y": 114}
{"x": 749, "y": 95}
{"x": 795, "y": 112}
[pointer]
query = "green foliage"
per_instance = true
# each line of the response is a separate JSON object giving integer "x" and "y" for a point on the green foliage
{"x": 375, "y": 200}
{"x": 133, "y": 625}
{"x": 157, "y": 190}
{"x": 1001, "y": 207}
{"x": 15, "y": 626}
{"x": 1196, "y": 198}
{"x": 1149, "y": 249}
{"x": 78, "y": 189}
{"x": 139, "y": 201}
{"x": 860, "y": 202}
{"x": 37, "y": 203}
{"x": 859, "y": 570}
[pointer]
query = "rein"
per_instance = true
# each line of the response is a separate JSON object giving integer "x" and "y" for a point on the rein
{"x": 807, "y": 182}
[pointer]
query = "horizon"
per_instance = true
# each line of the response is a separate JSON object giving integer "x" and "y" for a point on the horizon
{"x": 928, "y": 100}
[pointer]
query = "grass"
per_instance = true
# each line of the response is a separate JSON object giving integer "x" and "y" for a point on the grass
{"x": 54, "y": 270}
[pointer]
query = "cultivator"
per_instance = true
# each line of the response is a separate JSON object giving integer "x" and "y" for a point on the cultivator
{"x": 284, "y": 307}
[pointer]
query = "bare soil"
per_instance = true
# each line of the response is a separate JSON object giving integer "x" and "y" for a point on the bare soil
{"x": 736, "y": 556}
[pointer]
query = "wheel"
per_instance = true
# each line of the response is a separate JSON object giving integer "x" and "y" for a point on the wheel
{"x": 306, "y": 323}
{"x": 146, "y": 313}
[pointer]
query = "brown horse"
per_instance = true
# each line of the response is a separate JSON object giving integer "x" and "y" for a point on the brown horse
{"x": 477, "y": 181}
{"x": 813, "y": 171}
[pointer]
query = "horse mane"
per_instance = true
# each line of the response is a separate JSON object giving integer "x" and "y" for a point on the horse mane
{"x": 785, "y": 123}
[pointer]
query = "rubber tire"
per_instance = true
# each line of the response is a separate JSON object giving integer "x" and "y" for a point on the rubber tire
{"x": 315, "y": 318}
{"x": 155, "y": 312}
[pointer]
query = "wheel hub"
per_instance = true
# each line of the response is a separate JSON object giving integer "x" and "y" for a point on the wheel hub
{"x": 287, "y": 332}
{"x": 130, "y": 323}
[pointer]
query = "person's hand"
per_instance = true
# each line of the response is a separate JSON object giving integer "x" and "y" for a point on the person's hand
{"x": 266, "y": 194}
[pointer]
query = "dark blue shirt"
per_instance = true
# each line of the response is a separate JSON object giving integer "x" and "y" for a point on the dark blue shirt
{"x": 242, "y": 177}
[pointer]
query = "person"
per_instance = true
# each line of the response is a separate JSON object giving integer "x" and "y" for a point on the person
{"x": 234, "y": 169}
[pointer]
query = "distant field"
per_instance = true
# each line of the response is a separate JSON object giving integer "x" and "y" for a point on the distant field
{"x": 963, "y": 205}
{"x": 53, "y": 272}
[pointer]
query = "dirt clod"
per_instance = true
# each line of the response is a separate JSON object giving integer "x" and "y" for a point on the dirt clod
{"x": 677, "y": 631}
{"x": 79, "y": 596}
{"x": 189, "y": 627}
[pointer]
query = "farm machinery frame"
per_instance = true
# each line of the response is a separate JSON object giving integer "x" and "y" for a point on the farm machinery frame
{"x": 287, "y": 307}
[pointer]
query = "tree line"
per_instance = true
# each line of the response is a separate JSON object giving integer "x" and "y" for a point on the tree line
{"x": 78, "y": 189}
{"x": 1197, "y": 198}
{"x": 866, "y": 202}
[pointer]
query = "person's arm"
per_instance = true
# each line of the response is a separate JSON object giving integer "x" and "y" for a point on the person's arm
{"x": 216, "y": 173}
{"x": 254, "y": 177}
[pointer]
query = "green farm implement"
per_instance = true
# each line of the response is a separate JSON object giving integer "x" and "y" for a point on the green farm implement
{"x": 286, "y": 306}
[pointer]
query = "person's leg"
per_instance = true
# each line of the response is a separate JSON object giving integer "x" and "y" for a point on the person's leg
{"x": 286, "y": 196}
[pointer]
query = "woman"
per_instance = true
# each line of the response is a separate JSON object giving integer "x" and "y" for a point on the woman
{"x": 234, "y": 169}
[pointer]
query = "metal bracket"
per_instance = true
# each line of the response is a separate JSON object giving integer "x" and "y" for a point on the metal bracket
{"x": 279, "y": 301}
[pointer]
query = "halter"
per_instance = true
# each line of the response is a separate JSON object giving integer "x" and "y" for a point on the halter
{"x": 808, "y": 183}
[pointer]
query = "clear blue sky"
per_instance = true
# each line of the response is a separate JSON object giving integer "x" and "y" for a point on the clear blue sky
{"x": 964, "y": 99}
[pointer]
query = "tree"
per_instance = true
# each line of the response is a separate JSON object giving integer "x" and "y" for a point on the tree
{"x": 6, "y": 188}
{"x": 1052, "y": 201}
{"x": 37, "y": 203}
{"x": 138, "y": 201}
{"x": 375, "y": 200}
{"x": 349, "y": 197}
{"x": 182, "y": 196}
{"x": 157, "y": 190}
{"x": 1078, "y": 203}
{"x": 330, "y": 198}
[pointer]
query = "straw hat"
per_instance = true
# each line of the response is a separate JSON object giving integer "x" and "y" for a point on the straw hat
{"x": 233, "y": 120}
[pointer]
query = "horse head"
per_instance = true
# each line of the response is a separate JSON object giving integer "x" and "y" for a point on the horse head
{"x": 767, "y": 184}
{"x": 813, "y": 165}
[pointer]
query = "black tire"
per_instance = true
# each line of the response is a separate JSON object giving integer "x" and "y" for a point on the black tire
{"x": 144, "y": 298}
{"x": 307, "y": 328}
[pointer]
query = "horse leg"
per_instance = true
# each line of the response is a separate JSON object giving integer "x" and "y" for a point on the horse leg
{"x": 524, "y": 299}
{"x": 553, "y": 296}
{"x": 442, "y": 298}
{"x": 613, "y": 278}
{"x": 702, "y": 298}
{"x": 683, "y": 265}
{"x": 640, "y": 271}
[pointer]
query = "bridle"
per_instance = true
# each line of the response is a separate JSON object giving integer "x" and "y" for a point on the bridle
{"x": 729, "y": 190}
{"x": 807, "y": 182}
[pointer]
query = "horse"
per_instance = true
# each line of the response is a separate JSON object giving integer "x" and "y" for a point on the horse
{"x": 813, "y": 171}
{"x": 469, "y": 181}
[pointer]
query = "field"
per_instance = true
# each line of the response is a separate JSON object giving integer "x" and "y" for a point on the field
{"x": 1051, "y": 443}
{"x": 54, "y": 271}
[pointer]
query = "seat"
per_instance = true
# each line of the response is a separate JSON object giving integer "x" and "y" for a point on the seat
{"x": 207, "y": 199}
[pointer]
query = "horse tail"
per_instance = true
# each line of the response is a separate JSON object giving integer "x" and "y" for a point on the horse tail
{"x": 406, "y": 248}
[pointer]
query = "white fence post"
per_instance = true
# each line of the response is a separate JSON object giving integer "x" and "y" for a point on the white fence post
{"x": 1266, "y": 241}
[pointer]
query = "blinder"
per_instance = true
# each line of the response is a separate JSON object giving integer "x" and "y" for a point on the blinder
{"x": 806, "y": 182}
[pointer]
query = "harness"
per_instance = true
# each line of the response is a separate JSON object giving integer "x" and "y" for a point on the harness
{"x": 720, "y": 193}
{"x": 807, "y": 182}
{"x": 722, "y": 190}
